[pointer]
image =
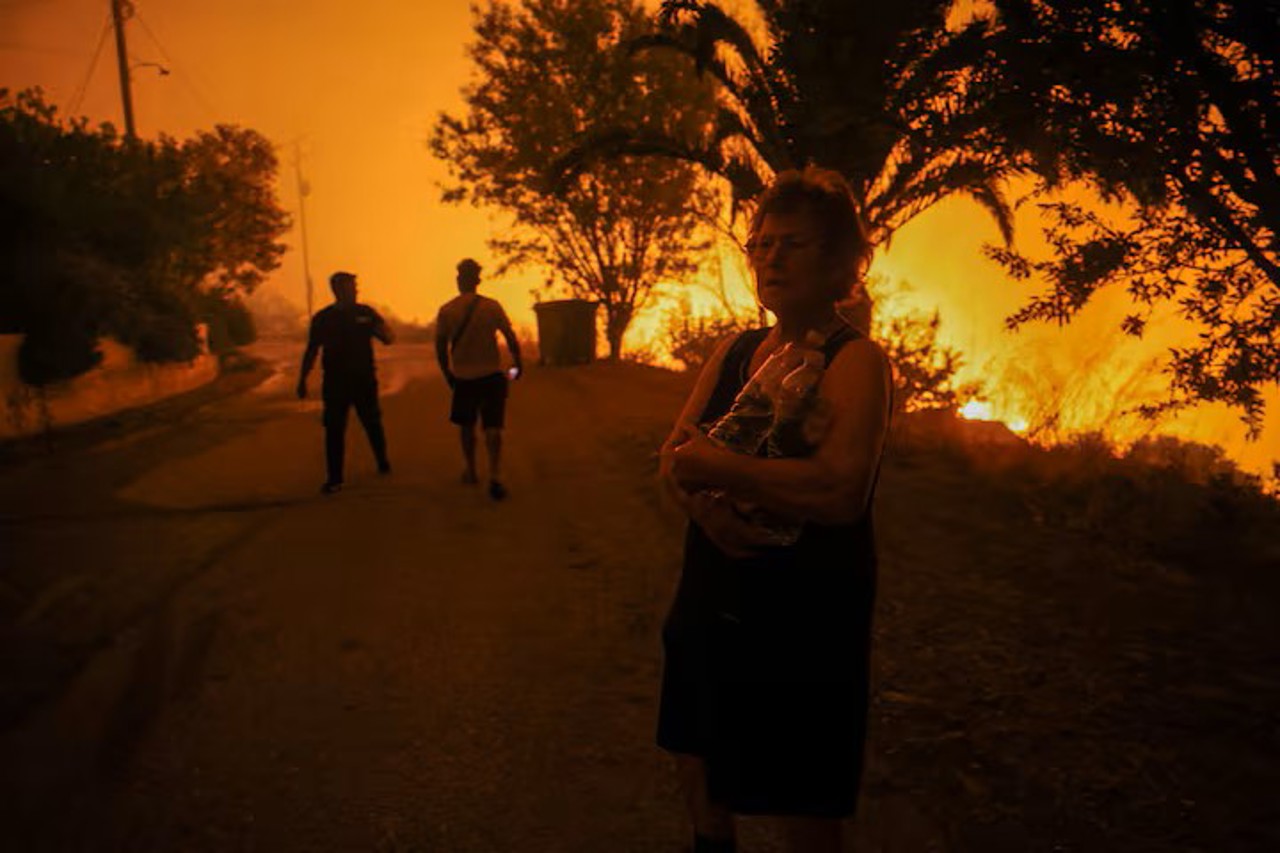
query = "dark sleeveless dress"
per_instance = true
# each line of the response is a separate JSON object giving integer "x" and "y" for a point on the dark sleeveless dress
{"x": 767, "y": 658}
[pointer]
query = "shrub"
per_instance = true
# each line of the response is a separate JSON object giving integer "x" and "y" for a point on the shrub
{"x": 56, "y": 353}
{"x": 160, "y": 327}
{"x": 105, "y": 236}
{"x": 692, "y": 339}
{"x": 166, "y": 338}
{"x": 924, "y": 370}
{"x": 230, "y": 324}
{"x": 61, "y": 302}
{"x": 646, "y": 354}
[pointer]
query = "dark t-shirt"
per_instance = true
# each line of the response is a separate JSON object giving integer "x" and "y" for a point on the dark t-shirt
{"x": 346, "y": 335}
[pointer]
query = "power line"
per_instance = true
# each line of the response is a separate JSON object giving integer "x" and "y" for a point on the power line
{"x": 83, "y": 89}
{"x": 187, "y": 79}
{"x": 46, "y": 50}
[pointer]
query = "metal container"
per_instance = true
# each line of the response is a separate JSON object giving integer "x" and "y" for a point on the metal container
{"x": 566, "y": 331}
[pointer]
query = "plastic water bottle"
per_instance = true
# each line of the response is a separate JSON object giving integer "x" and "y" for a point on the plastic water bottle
{"x": 796, "y": 400}
{"x": 772, "y": 412}
{"x": 790, "y": 436}
{"x": 745, "y": 427}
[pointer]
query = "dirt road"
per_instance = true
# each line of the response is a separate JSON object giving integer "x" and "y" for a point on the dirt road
{"x": 405, "y": 665}
{"x": 202, "y": 653}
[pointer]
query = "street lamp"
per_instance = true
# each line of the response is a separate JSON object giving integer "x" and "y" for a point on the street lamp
{"x": 164, "y": 72}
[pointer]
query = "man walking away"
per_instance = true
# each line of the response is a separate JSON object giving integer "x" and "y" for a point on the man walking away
{"x": 345, "y": 331}
{"x": 468, "y": 352}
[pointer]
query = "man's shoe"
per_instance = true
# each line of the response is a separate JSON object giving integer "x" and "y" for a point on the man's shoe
{"x": 384, "y": 467}
{"x": 329, "y": 488}
{"x": 497, "y": 491}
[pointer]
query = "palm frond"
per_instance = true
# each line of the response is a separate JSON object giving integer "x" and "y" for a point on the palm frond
{"x": 931, "y": 71}
{"x": 729, "y": 125}
{"x": 712, "y": 27}
{"x": 918, "y": 186}
{"x": 744, "y": 179}
{"x": 717, "y": 68}
{"x": 752, "y": 92}
{"x": 888, "y": 97}
{"x": 991, "y": 196}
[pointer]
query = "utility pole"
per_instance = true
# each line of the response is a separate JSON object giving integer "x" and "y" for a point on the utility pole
{"x": 304, "y": 190}
{"x": 119, "y": 11}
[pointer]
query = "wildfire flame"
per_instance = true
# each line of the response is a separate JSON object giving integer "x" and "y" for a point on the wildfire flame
{"x": 1043, "y": 381}
{"x": 981, "y": 410}
{"x": 1046, "y": 383}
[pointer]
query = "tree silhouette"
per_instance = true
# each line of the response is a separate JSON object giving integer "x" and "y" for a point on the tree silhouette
{"x": 1173, "y": 108}
{"x": 885, "y": 94}
{"x": 545, "y": 71}
{"x": 138, "y": 239}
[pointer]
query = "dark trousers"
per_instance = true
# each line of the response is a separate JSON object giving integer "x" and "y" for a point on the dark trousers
{"x": 339, "y": 397}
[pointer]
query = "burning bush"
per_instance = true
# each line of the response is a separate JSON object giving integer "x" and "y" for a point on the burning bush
{"x": 1176, "y": 501}
{"x": 692, "y": 338}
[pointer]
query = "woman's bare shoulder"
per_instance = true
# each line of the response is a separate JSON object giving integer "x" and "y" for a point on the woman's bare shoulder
{"x": 722, "y": 348}
{"x": 860, "y": 363}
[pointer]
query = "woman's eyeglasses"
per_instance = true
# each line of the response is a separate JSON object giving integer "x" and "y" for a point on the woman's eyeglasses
{"x": 787, "y": 243}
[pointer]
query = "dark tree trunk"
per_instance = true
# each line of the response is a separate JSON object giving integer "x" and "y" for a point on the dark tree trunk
{"x": 617, "y": 319}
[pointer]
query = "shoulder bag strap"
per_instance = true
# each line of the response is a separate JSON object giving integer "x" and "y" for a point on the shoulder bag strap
{"x": 466, "y": 318}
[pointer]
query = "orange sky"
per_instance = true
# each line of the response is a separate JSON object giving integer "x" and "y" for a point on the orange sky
{"x": 360, "y": 91}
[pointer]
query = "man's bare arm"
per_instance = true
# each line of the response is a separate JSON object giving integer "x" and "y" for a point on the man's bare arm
{"x": 513, "y": 347}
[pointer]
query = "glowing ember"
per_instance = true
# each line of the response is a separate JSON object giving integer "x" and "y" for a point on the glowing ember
{"x": 980, "y": 410}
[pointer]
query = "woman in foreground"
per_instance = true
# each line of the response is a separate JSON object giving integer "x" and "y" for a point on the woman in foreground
{"x": 764, "y": 694}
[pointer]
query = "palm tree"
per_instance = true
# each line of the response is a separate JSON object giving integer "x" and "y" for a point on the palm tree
{"x": 884, "y": 93}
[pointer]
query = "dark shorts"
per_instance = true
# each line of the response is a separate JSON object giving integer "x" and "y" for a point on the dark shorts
{"x": 485, "y": 398}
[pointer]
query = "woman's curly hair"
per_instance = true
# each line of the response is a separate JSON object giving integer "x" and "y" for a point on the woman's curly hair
{"x": 826, "y": 196}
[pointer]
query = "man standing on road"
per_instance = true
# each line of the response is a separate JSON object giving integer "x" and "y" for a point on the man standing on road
{"x": 468, "y": 352}
{"x": 345, "y": 331}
